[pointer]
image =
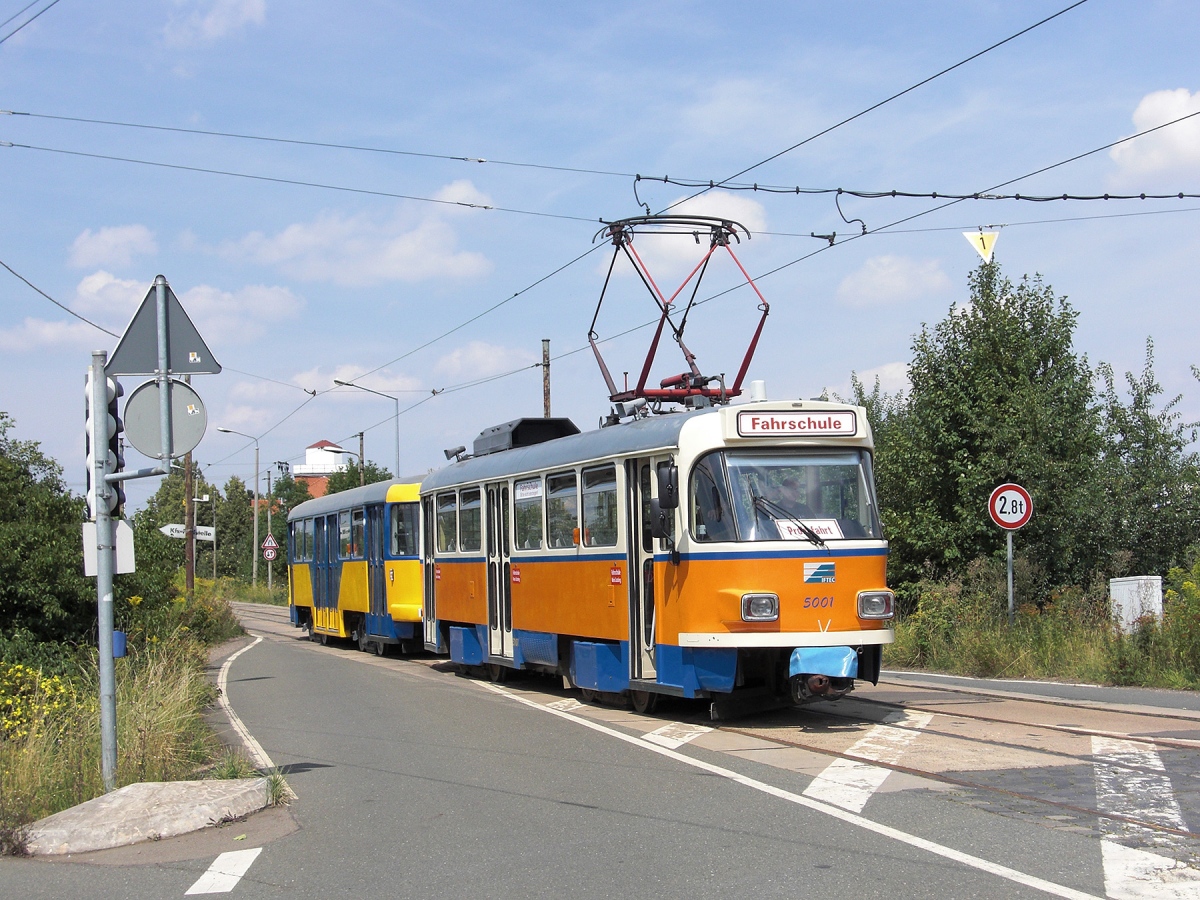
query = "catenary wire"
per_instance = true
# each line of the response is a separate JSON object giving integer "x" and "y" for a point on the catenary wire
{"x": 330, "y": 145}
{"x": 18, "y": 12}
{"x": 27, "y": 21}
{"x": 883, "y": 102}
{"x": 297, "y": 182}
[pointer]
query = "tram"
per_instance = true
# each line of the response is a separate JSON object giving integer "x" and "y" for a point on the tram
{"x": 726, "y": 553}
{"x": 354, "y": 566}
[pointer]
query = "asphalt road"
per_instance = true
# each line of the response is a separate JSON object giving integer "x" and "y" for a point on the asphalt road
{"x": 412, "y": 782}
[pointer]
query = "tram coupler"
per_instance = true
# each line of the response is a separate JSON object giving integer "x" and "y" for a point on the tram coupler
{"x": 805, "y": 688}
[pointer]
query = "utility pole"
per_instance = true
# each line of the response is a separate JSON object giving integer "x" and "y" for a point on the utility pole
{"x": 105, "y": 569}
{"x": 362, "y": 463}
{"x": 189, "y": 529}
{"x": 546, "y": 377}
{"x": 270, "y": 562}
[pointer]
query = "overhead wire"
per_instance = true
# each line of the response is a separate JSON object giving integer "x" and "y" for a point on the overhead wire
{"x": 27, "y": 21}
{"x": 18, "y": 12}
{"x": 884, "y": 102}
{"x": 297, "y": 182}
{"x": 329, "y": 145}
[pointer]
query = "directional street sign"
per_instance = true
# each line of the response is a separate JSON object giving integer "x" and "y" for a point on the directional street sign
{"x": 1010, "y": 506}
{"x": 137, "y": 351}
{"x": 203, "y": 532}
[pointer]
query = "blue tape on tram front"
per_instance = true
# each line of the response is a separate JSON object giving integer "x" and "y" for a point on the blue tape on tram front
{"x": 835, "y": 662}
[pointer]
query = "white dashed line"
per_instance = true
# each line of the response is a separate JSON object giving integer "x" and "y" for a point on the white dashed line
{"x": 1131, "y": 781}
{"x": 849, "y": 783}
{"x": 676, "y": 734}
{"x": 225, "y": 872}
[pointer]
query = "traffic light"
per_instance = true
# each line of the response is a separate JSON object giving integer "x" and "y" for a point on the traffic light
{"x": 110, "y": 444}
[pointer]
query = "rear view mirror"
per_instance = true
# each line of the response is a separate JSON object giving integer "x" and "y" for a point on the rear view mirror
{"x": 668, "y": 485}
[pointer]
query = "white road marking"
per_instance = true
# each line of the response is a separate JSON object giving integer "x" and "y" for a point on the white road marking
{"x": 566, "y": 705}
{"x": 225, "y": 872}
{"x": 849, "y": 783}
{"x": 1132, "y": 781}
{"x": 975, "y": 862}
{"x": 676, "y": 734}
{"x": 257, "y": 754}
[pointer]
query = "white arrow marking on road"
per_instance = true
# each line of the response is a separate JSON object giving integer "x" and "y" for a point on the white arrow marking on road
{"x": 849, "y": 783}
{"x": 225, "y": 872}
{"x": 1131, "y": 781}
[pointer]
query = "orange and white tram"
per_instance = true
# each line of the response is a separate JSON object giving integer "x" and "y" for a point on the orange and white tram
{"x": 725, "y": 552}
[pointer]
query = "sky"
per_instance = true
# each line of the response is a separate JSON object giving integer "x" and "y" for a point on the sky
{"x": 384, "y": 264}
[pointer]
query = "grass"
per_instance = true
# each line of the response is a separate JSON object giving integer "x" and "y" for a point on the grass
{"x": 960, "y": 626}
{"x": 50, "y": 723}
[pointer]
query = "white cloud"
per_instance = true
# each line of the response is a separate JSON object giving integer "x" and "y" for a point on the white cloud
{"x": 238, "y": 316}
{"x": 479, "y": 359}
{"x": 104, "y": 296}
{"x": 1174, "y": 149}
{"x": 112, "y": 246}
{"x": 320, "y": 379}
{"x": 679, "y": 253}
{"x": 360, "y": 250}
{"x": 36, "y": 334}
{"x": 890, "y": 279}
{"x": 199, "y": 21}
{"x": 893, "y": 378}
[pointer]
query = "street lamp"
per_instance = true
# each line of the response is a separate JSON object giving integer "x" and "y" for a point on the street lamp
{"x": 395, "y": 400}
{"x": 254, "y": 554}
{"x": 205, "y": 499}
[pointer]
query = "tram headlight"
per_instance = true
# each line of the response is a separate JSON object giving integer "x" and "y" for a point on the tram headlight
{"x": 876, "y": 604}
{"x": 760, "y": 607}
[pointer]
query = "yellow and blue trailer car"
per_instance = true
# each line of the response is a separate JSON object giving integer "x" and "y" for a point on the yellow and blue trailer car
{"x": 354, "y": 566}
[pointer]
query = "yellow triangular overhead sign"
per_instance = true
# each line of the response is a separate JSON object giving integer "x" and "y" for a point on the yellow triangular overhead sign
{"x": 983, "y": 242}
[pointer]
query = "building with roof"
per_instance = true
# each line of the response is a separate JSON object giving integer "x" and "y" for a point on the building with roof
{"x": 321, "y": 460}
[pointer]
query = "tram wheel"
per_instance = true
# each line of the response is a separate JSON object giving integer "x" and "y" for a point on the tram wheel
{"x": 363, "y": 644}
{"x": 380, "y": 648}
{"x": 324, "y": 639}
{"x": 498, "y": 673}
{"x": 643, "y": 702}
{"x": 589, "y": 696}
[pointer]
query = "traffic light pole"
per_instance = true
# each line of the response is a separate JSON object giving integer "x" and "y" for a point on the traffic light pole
{"x": 105, "y": 566}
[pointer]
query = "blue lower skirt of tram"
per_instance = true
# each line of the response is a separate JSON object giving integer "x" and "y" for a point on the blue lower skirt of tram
{"x": 387, "y": 627}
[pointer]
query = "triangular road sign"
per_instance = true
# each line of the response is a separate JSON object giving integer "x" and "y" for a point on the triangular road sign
{"x": 983, "y": 242}
{"x": 137, "y": 351}
{"x": 270, "y": 543}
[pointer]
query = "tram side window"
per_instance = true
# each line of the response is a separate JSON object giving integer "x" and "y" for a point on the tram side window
{"x": 344, "y": 539}
{"x": 404, "y": 529}
{"x": 447, "y": 522}
{"x": 600, "y": 507}
{"x": 469, "y": 527}
{"x": 309, "y": 540}
{"x": 562, "y": 510}
{"x": 358, "y": 531}
{"x": 527, "y": 501}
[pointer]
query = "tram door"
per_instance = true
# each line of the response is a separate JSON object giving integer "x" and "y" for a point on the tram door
{"x": 429, "y": 612}
{"x": 641, "y": 569}
{"x": 320, "y": 565}
{"x": 376, "y": 583}
{"x": 499, "y": 572}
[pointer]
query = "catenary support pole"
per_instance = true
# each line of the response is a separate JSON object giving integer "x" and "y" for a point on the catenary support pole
{"x": 105, "y": 567}
{"x": 546, "y": 377}
{"x": 270, "y": 562}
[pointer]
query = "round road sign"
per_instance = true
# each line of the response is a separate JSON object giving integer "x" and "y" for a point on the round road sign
{"x": 189, "y": 419}
{"x": 269, "y": 554}
{"x": 1010, "y": 506}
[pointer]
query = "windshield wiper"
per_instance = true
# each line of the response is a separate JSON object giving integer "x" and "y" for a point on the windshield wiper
{"x": 775, "y": 511}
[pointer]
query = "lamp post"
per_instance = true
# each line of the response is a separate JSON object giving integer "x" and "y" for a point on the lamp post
{"x": 395, "y": 400}
{"x": 205, "y": 499}
{"x": 254, "y": 552}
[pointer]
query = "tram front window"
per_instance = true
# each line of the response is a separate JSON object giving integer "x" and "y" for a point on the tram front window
{"x": 798, "y": 495}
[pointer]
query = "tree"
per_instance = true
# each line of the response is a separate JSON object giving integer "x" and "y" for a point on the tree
{"x": 998, "y": 394}
{"x": 43, "y": 591}
{"x": 345, "y": 480}
{"x": 1151, "y": 480}
{"x": 235, "y": 535}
